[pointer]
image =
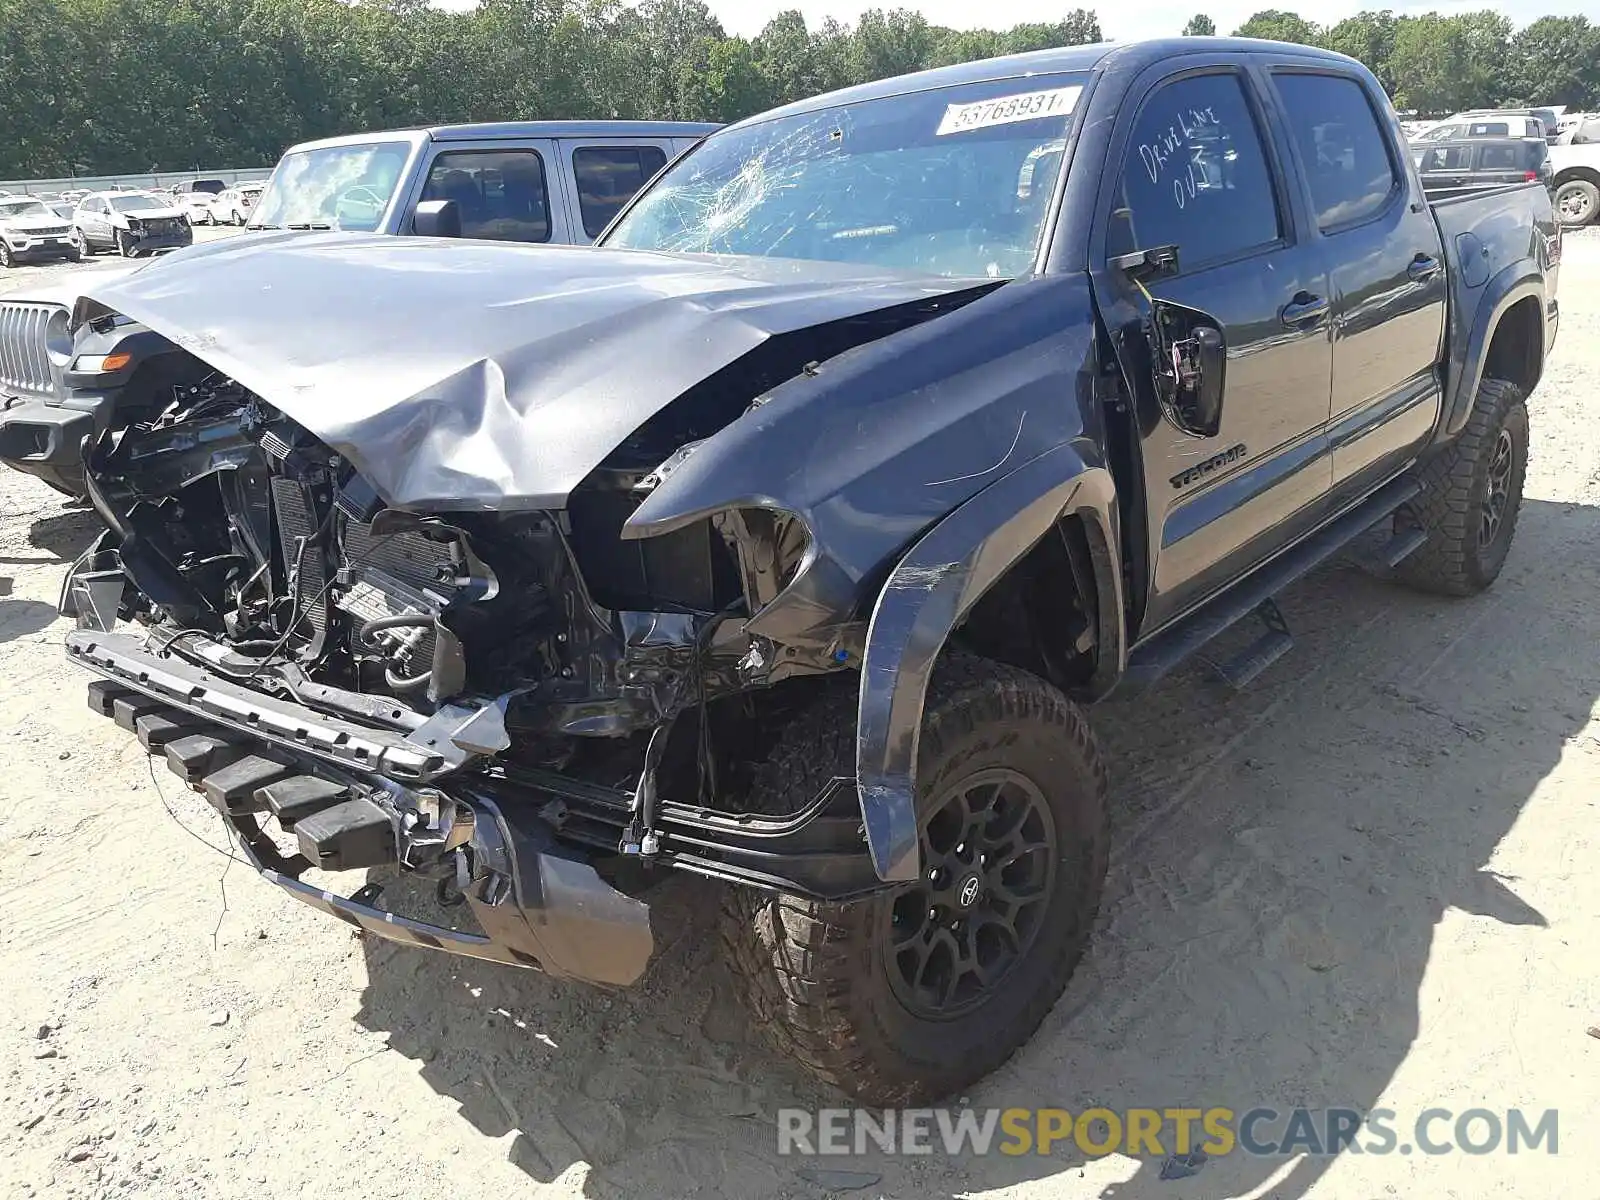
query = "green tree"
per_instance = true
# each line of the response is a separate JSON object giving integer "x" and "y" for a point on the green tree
{"x": 1556, "y": 60}
{"x": 1368, "y": 36}
{"x": 1200, "y": 25}
{"x": 1279, "y": 26}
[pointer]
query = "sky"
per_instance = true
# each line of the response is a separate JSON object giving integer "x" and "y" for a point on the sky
{"x": 1121, "y": 20}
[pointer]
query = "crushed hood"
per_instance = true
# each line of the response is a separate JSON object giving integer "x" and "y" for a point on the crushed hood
{"x": 480, "y": 375}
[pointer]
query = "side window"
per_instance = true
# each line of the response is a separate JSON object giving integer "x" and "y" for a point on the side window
{"x": 1498, "y": 158}
{"x": 1343, "y": 149}
{"x": 1195, "y": 175}
{"x": 1489, "y": 129}
{"x": 608, "y": 176}
{"x": 1446, "y": 158}
{"x": 501, "y": 194}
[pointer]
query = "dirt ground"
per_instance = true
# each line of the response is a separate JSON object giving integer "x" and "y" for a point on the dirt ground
{"x": 1372, "y": 880}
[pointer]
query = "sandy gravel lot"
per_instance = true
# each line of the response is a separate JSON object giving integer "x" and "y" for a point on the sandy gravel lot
{"x": 1372, "y": 880}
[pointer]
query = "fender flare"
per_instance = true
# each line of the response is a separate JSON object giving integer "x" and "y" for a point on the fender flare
{"x": 927, "y": 595}
{"x": 1512, "y": 284}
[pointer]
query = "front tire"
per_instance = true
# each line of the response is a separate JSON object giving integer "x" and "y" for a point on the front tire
{"x": 80, "y": 244}
{"x": 8, "y": 258}
{"x": 1577, "y": 201}
{"x": 917, "y": 992}
{"x": 1472, "y": 493}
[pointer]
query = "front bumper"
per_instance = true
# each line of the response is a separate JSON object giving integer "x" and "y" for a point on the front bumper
{"x": 148, "y": 241}
{"x": 41, "y": 248}
{"x": 538, "y": 904}
{"x": 45, "y": 440}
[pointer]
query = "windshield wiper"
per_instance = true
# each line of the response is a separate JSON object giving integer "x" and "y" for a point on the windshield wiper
{"x": 308, "y": 225}
{"x": 263, "y": 226}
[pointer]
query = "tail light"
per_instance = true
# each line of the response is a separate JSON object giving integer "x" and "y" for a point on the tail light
{"x": 1529, "y": 176}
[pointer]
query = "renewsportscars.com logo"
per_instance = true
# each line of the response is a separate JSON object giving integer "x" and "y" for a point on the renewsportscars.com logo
{"x": 1154, "y": 1132}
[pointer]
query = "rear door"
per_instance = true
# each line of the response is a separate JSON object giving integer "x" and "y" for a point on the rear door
{"x": 505, "y": 191}
{"x": 1385, "y": 265}
{"x": 1196, "y": 164}
{"x": 603, "y": 174}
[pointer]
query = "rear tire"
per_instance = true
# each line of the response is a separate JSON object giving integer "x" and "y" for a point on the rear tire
{"x": 1577, "y": 201}
{"x": 917, "y": 992}
{"x": 1472, "y": 493}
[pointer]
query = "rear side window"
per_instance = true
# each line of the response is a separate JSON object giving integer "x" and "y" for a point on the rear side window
{"x": 1446, "y": 158}
{"x": 1489, "y": 129}
{"x": 1195, "y": 175}
{"x": 501, "y": 194}
{"x": 608, "y": 176}
{"x": 1343, "y": 150}
{"x": 1499, "y": 158}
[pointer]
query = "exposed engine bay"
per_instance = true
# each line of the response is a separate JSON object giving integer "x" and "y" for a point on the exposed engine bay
{"x": 257, "y": 553}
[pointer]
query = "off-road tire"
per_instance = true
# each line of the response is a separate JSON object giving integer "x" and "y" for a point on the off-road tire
{"x": 815, "y": 974}
{"x": 1456, "y": 485}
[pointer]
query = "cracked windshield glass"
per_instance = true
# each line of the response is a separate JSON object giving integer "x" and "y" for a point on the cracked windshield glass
{"x": 335, "y": 187}
{"x": 954, "y": 182}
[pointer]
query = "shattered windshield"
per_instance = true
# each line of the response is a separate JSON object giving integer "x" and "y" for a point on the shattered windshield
{"x": 334, "y": 187}
{"x": 946, "y": 182}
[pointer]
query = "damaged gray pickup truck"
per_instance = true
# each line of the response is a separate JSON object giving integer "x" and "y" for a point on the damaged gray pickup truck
{"x": 781, "y": 538}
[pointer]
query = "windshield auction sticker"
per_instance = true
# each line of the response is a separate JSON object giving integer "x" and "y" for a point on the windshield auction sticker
{"x": 1003, "y": 110}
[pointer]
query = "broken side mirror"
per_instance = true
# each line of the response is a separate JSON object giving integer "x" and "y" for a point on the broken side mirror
{"x": 437, "y": 218}
{"x": 1191, "y": 365}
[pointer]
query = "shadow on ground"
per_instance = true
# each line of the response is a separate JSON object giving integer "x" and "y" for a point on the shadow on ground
{"x": 64, "y": 535}
{"x": 1282, "y": 859}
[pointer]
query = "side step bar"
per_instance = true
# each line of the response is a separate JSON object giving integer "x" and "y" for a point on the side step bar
{"x": 1152, "y": 660}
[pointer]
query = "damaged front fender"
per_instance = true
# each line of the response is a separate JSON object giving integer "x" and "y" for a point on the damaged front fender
{"x": 927, "y": 596}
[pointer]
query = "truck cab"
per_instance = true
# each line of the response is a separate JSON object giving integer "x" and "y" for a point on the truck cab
{"x": 557, "y": 182}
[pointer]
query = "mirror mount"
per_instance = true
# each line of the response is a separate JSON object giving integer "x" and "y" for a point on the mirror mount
{"x": 437, "y": 218}
{"x": 1157, "y": 262}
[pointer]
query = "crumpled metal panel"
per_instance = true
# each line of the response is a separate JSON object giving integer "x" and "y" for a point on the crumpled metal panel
{"x": 459, "y": 375}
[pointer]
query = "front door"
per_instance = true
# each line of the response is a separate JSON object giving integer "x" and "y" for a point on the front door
{"x": 504, "y": 191}
{"x": 1198, "y": 170}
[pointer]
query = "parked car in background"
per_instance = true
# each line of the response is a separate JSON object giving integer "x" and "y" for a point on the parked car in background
{"x": 525, "y": 181}
{"x": 210, "y": 187}
{"x": 1576, "y": 166}
{"x": 549, "y": 182}
{"x": 197, "y": 205}
{"x": 1448, "y": 167}
{"x": 131, "y": 223}
{"x": 233, "y": 206}
{"x": 31, "y": 232}
{"x": 1500, "y": 125}
{"x": 1580, "y": 129}
{"x": 72, "y": 196}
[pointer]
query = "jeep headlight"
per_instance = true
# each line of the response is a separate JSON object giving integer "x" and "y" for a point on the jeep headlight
{"x": 58, "y": 338}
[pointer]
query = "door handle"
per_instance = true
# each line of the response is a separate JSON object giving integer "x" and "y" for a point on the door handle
{"x": 1423, "y": 267}
{"x": 1304, "y": 307}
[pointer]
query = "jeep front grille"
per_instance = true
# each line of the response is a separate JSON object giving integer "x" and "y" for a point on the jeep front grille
{"x": 24, "y": 360}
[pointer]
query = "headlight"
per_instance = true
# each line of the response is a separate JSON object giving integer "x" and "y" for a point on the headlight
{"x": 135, "y": 223}
{"x": 58, "y": 337}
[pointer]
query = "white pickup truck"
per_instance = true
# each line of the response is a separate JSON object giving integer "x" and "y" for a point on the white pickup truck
{"x": 557, "y": 182}
{"x": 1577, "y": 181}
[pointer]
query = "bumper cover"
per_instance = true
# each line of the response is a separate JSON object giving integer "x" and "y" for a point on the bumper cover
{"x": 44, "y": 439}
{"x": 538, "y": 904}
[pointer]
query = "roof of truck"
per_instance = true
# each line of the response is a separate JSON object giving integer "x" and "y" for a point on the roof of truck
{"x": 495, "y": 130}
{"x": 1047, "y": 62}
